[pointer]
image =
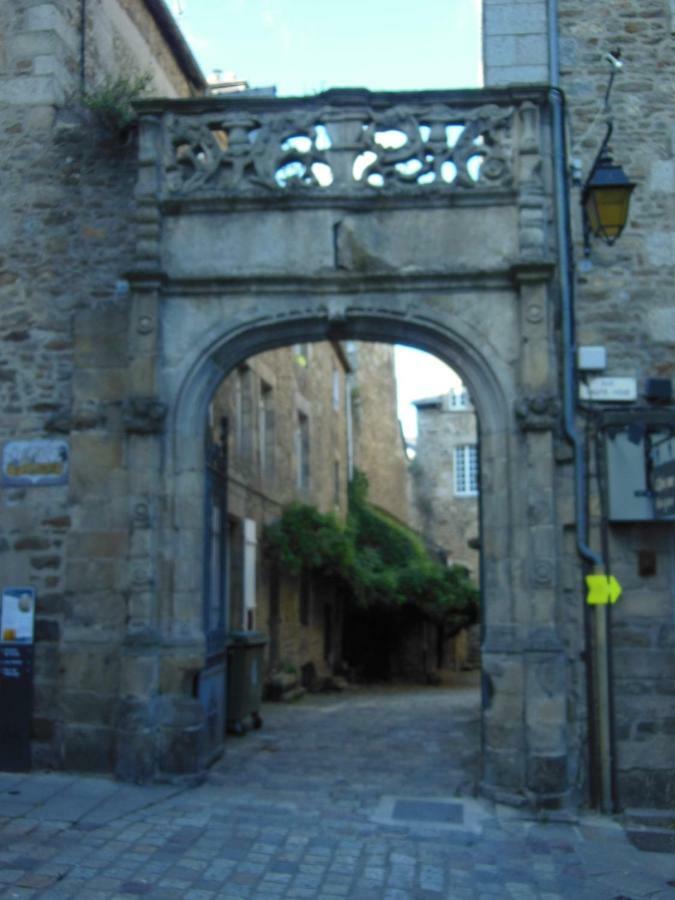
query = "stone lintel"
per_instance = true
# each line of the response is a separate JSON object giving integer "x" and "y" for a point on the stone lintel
{"x": 480, "y": 197}
{"x": 532, "y": 271}
{"x": 344, "y": 283}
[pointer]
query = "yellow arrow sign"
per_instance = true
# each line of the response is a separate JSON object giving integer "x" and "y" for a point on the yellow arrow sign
{"x": 602, "y": 589}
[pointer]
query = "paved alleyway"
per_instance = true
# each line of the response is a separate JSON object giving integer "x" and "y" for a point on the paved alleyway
{"x": 361, "y": 795}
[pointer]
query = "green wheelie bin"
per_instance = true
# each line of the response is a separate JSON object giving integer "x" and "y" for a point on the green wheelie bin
{"x": 245, "y": 659}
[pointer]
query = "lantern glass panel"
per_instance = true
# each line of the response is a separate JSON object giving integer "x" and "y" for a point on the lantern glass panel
{"x": 607, "y": 210}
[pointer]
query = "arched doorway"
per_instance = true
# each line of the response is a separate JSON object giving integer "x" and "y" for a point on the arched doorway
{"x": 237, "y": 254}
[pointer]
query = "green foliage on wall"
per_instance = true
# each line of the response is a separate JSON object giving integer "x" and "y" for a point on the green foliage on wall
{"x": 377, "y": 560}
{"x": 111, "y": 101}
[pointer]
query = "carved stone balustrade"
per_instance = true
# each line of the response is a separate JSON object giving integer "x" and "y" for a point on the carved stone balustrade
{"x": 344, "y": 143}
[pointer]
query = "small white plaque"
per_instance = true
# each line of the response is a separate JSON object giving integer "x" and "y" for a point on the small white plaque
{"x": 614, "y": 390}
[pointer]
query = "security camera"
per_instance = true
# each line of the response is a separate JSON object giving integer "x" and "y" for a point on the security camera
{"x": 613, "y": 59}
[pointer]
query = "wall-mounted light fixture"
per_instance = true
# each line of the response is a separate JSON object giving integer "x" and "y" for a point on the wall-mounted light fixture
{"x": 605, "y": 196}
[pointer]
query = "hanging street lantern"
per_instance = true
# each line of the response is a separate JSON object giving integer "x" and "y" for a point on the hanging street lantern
{"x": 605, "y": 200}
{"x": 605, "y": 196}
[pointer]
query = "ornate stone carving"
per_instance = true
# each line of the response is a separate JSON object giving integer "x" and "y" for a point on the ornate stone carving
{"x": 144, "y": 415}
{"x": 333, "y": 150}
{"x": 542, "y": 572}
{"x": 141, "y": 517}
{"x": 537, "y": 412}
{"x": 89, "y": 414}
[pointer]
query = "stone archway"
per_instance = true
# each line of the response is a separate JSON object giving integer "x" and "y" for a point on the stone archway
{"x": 441, "y": 241}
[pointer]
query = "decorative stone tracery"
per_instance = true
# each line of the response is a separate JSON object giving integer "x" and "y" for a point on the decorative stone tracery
{"x": 354, "y": 150}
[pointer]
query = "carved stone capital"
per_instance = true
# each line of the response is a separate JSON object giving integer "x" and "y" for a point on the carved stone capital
{"x": 144, "y": 415}
{"x": 537, "y": 412}
{"x": 84, "y": 416}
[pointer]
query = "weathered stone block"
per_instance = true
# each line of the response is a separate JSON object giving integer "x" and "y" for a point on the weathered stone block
{"x": 642, "y": 663}
{"x": 36, "y": 90}
{"x": 47, "y": 630}
{"x": 177, "y": 674}
{"x": 46, "y": 662}
{"x": 42, "y": 729}
{"x": 547, "y": 774}
{"x": 97, "y": 545}
{"x": 516, "y": 74}
{"x": 515, "y": 18}
{"x": 504, "y": 769}
{"x": 644, "y": 788}
{"x": 88, "y": 707}
{"x": 657, "y": 748}
{"x": 139, "y": 675}
{"x": 135, "y": 755}
{"x": 84, "y": 577}
{"x": 88, "y": 748}
{"x": 82, "y": 667}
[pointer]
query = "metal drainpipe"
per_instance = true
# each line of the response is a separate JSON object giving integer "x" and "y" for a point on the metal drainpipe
{"x": 600, "y": 734}
{"x": 83, "y": 46}
{"x": 350, "y": 426}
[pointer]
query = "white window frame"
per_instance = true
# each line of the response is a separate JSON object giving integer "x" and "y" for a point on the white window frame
{"x": 459, "y": 399}
{"x": 465, "y": 458}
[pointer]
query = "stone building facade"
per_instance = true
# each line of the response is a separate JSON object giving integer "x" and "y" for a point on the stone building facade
{"x": 298, "y": 420}
{"x": 445, "y": 478}
{"x": 288, "y": 437}
{"x": 623, "y": 302}
{"x": 204, "y": 257}
{"x": 66, "y": 197}
{"x": 379, "y": 447}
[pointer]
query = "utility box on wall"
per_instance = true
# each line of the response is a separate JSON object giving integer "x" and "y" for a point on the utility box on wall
{"x": 630, "y": 476}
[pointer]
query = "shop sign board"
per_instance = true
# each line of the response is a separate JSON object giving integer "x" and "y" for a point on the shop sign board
{"x": 34, "y": 463}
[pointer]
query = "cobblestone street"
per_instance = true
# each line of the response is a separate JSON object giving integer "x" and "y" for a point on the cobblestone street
{"x": 368, "y": 794}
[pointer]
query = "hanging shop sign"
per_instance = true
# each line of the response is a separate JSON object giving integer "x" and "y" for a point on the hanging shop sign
{"x": 34, "y": 463}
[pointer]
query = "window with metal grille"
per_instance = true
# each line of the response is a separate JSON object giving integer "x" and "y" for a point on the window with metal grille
{"x": 466, "y": 470}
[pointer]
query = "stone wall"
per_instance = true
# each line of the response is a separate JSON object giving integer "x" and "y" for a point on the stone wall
{"x": 308, "y": 380}
{"x": 68, "y": 191}
{"x": 379, "y": 449}
{"x": 447, "y": 520}
{"x": 624, "y": 303}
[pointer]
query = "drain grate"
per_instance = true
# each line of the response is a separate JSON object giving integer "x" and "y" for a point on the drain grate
{"x": 429, "y": 811}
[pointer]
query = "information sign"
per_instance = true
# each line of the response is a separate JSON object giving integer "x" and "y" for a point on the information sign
{"x": 16, "y": 706}
{"x": 612, "y": 390}
{"x": 17, "y": 615}
{"x": 34, "y": 463}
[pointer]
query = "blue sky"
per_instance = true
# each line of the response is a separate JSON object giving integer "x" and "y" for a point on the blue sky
{"x": 306, "y": 46}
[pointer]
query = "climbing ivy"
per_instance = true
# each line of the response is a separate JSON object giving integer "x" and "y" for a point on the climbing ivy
{"x": 377, "y": 560}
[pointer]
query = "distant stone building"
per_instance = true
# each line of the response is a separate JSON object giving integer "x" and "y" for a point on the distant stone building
{"x": 379, "y": 447}
{"x": 296, "y": 422}
{"x": 288, "y": 440}
{"x": 445, "y": 480}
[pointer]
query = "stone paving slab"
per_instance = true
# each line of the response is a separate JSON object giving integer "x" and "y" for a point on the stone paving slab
{"x": 307, "y": 808}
